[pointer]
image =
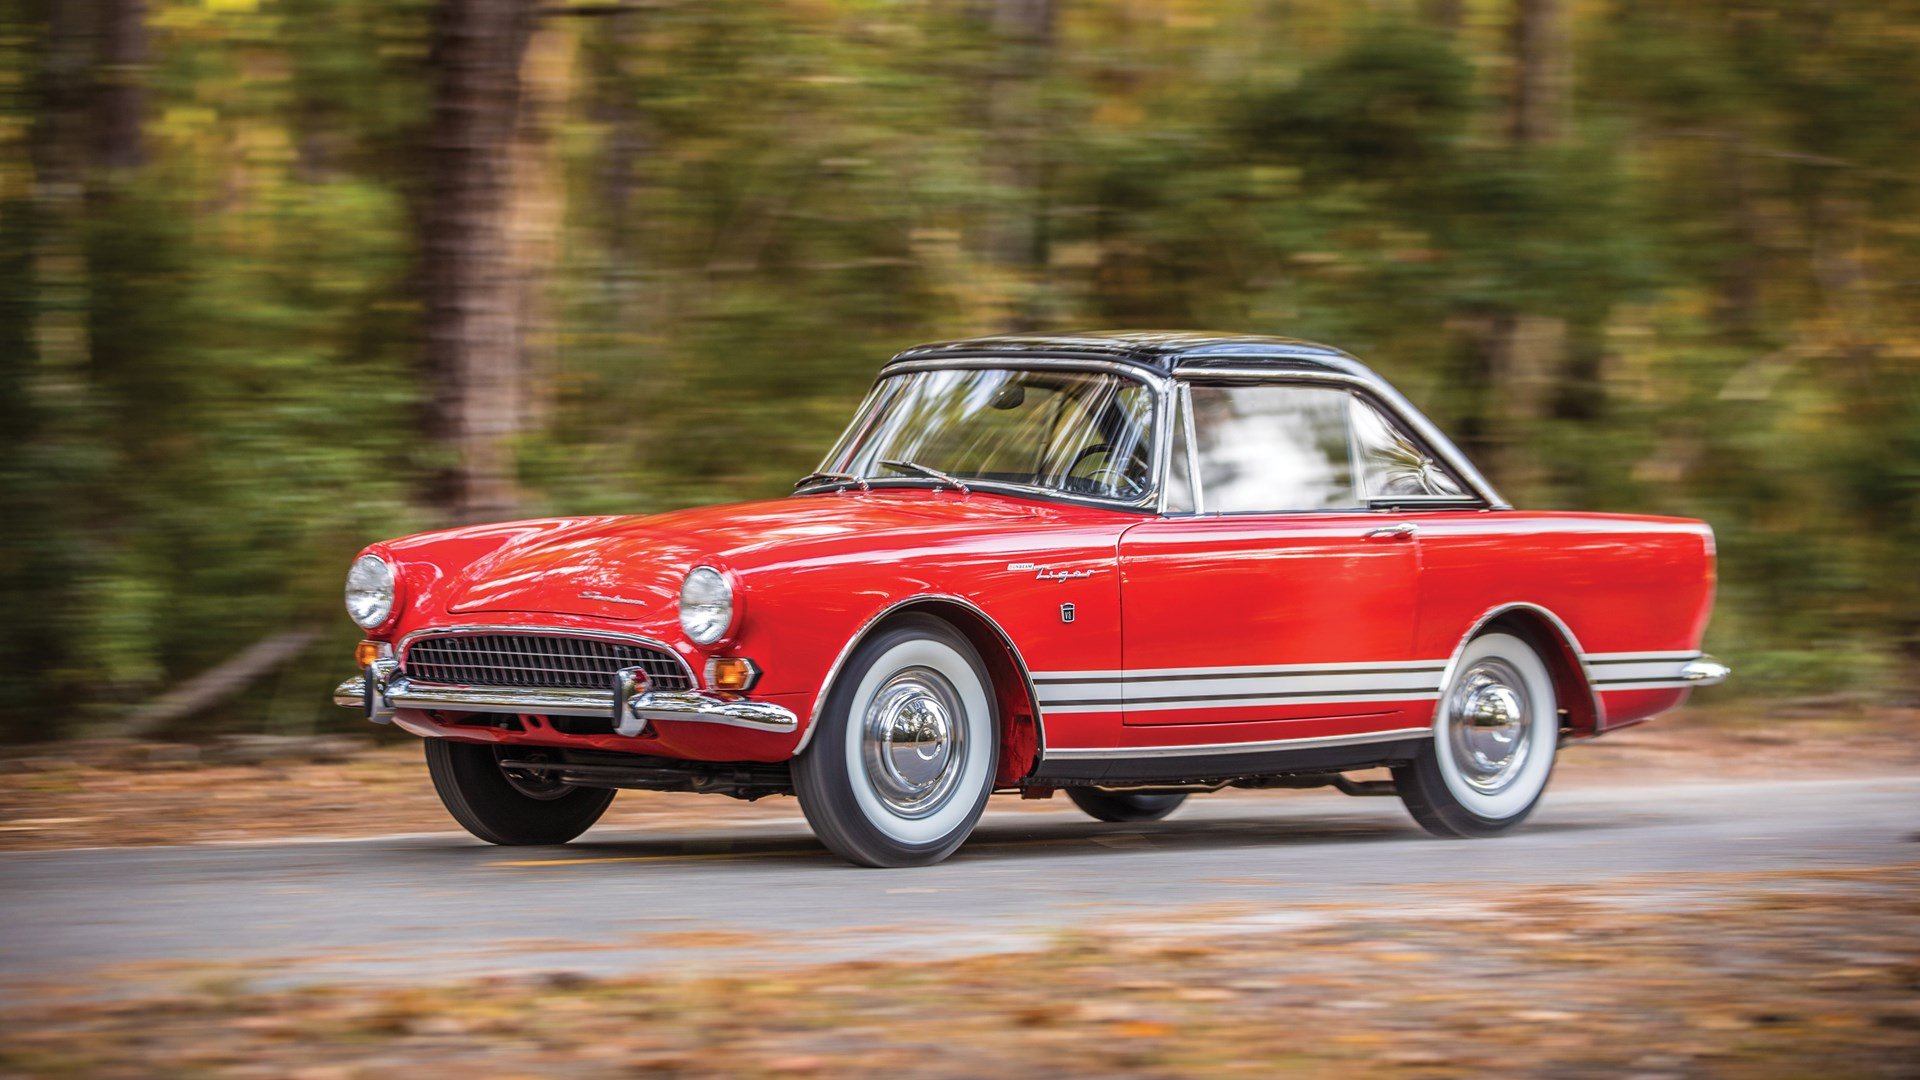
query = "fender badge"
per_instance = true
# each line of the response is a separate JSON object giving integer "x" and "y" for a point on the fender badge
{"x": 1048, "y": 573}
{"x": 590, "y": 594}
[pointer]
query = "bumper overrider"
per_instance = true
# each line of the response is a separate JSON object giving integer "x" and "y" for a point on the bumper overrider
{"x": 382, "y": 690}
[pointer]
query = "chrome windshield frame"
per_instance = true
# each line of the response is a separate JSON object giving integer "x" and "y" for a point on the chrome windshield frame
{"x": 1156, "y": 383}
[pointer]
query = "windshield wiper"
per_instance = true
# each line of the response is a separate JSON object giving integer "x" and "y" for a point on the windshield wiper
{"x": 836, "y": 477}
{"x": 916, "y": 467}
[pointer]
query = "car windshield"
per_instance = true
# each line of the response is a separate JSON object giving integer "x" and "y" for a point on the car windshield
{"x": 1077, "y": 433}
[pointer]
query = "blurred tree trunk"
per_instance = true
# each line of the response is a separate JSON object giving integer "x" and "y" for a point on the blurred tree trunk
{"x": 120, "y": 98}
{"x": 1523, "y": 352}
{"x": 537, "y": 204}
{"x": 475, "y": 342}
{"x": 56, "y": 447}
{"x": 59, "y": 154}
{"x": 1542, "y": 72}
{"x": 1022, "y": 33}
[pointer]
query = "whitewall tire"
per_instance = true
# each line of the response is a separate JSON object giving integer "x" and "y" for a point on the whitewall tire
{"x": 904, "y": 759}
{"x": 1494, "y": 735}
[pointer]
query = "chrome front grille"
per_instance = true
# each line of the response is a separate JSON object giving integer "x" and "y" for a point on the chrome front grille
{"x": 539, "y": 660}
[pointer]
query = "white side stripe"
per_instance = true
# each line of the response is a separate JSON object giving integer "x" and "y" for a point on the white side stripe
{"x": 1628, "y": 657}
{"x": 1233, "y": 703}
{"x": 1238, "y": 687}
{"x": 1246, "y": 669}
{"x": 1638, "y": 671}
{"x": 1274, "y": 685}
{"x": 1091, "y": 753}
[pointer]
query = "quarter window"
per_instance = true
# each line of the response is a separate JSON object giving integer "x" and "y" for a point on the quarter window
{"x": 1392, "y": 465}
{"x": 1291, "y": 447}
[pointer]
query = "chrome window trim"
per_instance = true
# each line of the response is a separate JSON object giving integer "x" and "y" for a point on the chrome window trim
{"x": 1156, "y": 384}
{"x": 1444, "y": 451}
{"x": 1193, "y": 449}
{"x": 406, "y": 642}
{"x": 1180, "y": 410}
{"x": 1469, "y": 501}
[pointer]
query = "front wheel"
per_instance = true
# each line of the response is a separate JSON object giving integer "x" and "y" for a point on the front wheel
{"x": 902, "y": 764}
{"x": 511, "y": 807}
{"x": 1125, "y": 805}
{"x": 1494, "y": 735}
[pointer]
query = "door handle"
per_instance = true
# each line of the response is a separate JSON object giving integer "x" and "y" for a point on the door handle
{"x": 1402, "y": 531}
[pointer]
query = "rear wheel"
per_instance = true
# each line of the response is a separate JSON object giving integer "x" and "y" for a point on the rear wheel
{"x": 1125, "y": 805}
{"x": 903, "y": 762}
{"x": 1493, "y": 742}
{"x": 509, "y": 806}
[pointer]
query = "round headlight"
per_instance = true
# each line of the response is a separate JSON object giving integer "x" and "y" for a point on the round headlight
{"x": 370, "y": 591}
{"x": 706, "y": 605}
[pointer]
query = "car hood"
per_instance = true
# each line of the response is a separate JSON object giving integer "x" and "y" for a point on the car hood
{"x": 630, "y": 568}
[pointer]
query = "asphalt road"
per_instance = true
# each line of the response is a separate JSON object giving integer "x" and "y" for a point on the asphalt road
{"x": 431, "y": 907}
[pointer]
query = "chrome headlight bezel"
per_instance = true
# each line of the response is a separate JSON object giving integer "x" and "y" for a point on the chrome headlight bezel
{"x": 372, "y": 591}
{"x": 709, "y": 607}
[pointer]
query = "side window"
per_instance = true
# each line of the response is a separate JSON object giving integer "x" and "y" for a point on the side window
{"x": 1392, "y": 465}
{"x": 1268, "y": 448}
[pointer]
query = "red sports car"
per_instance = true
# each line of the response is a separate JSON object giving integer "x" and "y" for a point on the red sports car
{"x": 1126, "y": 566}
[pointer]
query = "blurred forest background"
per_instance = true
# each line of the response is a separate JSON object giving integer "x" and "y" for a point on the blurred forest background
{"x": 281, "y": 277}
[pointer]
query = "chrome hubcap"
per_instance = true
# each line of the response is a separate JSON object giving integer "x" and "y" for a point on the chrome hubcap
{"x": 913, "y": 741}
{"x": 1490, "y": 724}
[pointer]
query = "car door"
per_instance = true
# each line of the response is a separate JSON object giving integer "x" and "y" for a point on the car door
{"x": 1269, "y": 594}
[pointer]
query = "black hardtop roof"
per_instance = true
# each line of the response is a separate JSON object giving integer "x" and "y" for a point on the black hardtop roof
{"x": 1165, "y": 351}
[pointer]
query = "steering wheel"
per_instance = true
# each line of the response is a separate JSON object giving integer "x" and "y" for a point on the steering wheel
{"x": 1109, "y": 475}
{"x": 1096, "y": 448}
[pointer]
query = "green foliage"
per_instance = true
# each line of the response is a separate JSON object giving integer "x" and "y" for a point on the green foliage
{"x": 757, "y": 201}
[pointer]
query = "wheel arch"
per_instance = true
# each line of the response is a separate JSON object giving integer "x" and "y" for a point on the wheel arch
{"x": 1555, "y": 642}
{"x": 1022, "y": 735}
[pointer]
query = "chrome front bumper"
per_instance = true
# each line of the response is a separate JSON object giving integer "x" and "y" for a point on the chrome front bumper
{"x": 395, "y": 691}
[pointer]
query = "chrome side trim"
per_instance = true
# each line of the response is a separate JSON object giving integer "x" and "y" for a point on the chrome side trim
{"x": 1654, "y": 671}
{"x": 1706, "y": 671}
{"x": 1241, "y": 671}
{"x": 1104, "y": 753}
{"x": 1269, "y": 685}
{"x": 833, "y": 672}
{"x": 1236, "y": 701}
{"x": 687, "y": 705}
{"x": 1386, "y": 395}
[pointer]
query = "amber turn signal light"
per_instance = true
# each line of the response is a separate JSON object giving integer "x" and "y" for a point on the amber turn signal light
{"x": 732, "y": 673}
{"x": 366, "y": 653}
